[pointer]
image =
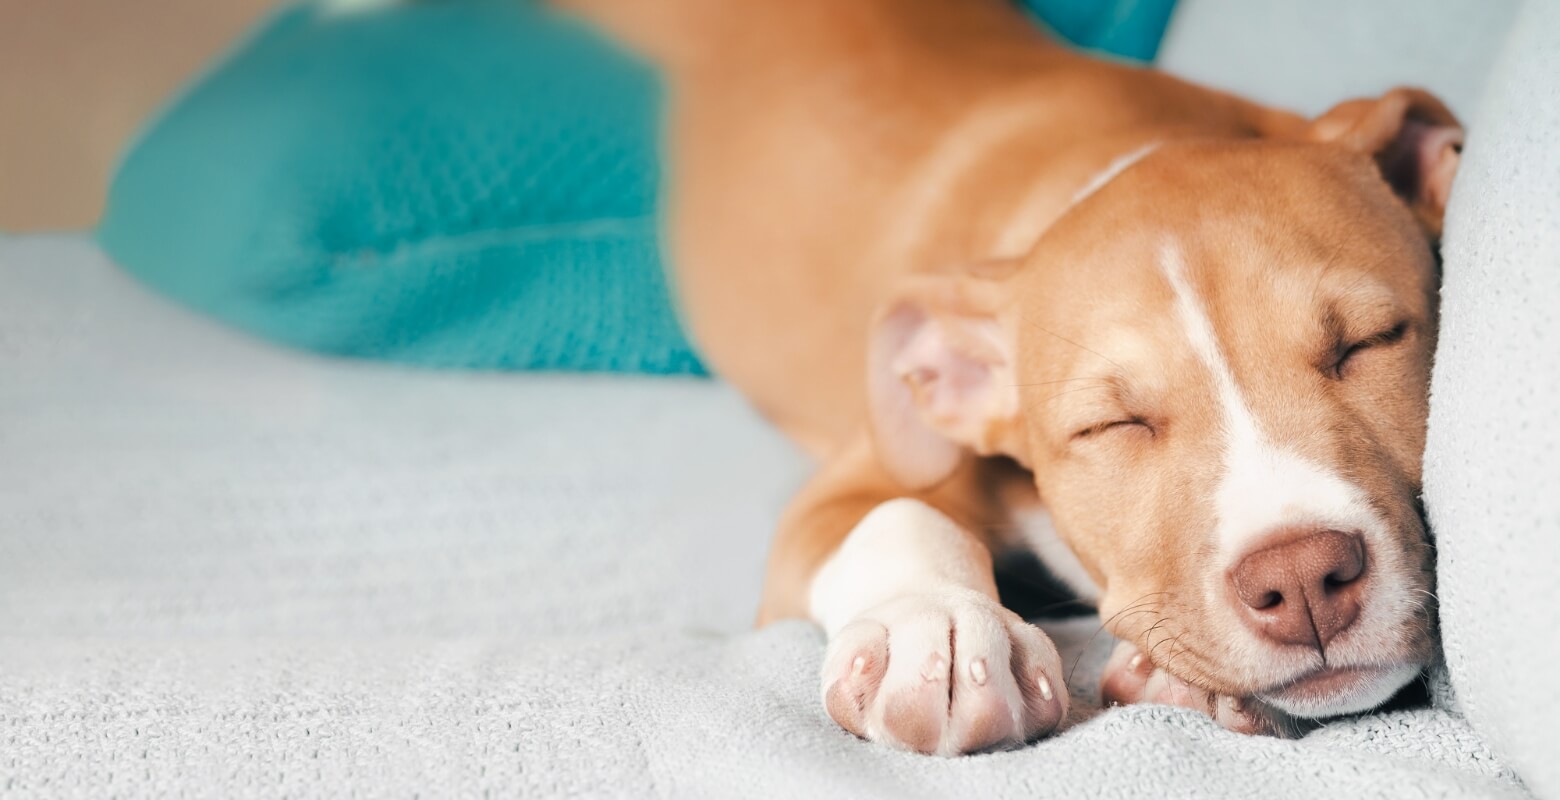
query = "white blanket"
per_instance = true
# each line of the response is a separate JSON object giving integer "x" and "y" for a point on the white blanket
{"x": 229, "y": 570}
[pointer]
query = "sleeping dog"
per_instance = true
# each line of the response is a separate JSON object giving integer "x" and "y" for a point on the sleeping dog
{"x": 1175, "y": 342}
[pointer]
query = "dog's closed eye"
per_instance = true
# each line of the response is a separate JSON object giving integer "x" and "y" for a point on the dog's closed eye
{"x": 1134, "y": 424}
{"x": 1347, "y": 354}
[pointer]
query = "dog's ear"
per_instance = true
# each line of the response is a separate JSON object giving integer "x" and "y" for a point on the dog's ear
{"x": 939, "y": 372}
{"x": 1415, "y": 140}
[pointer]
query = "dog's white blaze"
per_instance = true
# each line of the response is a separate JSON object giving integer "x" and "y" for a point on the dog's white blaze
{"x": 1263, "y": 486}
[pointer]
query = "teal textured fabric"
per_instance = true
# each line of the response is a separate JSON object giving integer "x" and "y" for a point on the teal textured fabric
{"x": 1128, "y": 28}
{"x": 469, "y": 183}
{"x": 452, "y": 184}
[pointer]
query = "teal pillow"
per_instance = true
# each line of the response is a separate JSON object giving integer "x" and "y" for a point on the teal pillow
{"x": 1127, "y": 28}
{"x": 468, "y": 183}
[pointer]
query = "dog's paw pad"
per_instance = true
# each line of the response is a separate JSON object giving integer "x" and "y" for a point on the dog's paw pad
{"x": 943, "y": 673}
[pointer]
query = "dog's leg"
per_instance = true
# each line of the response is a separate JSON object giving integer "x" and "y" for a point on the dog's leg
{"x": 921, "y": 654}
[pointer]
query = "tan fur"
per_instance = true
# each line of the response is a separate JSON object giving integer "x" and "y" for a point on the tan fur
{"x": 1127, "y": 503}
{"x": 831, "y": 162}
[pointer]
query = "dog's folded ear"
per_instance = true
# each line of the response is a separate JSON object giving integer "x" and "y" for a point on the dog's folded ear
{"x": 1415, "y": 140}
{"x": 939, "y": 373}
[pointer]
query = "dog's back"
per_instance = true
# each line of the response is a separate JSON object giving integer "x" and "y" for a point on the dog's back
{"x": 816, "y": 146}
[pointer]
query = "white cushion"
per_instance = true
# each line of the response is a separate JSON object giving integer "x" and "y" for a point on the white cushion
{"x": 1492, "y": 464}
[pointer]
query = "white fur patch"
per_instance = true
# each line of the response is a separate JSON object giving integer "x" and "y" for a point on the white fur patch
{"x": 902, "y": 547}
{"x": 918, "y": 638}
{"x": 1263, "y": 487}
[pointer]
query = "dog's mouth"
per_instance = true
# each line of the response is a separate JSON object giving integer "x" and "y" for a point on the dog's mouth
{"x": 1331, "y": 691}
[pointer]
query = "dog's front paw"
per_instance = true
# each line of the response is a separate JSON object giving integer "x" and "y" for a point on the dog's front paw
{"x": 1130, "y": 677}
{"x": 944, "y": 673}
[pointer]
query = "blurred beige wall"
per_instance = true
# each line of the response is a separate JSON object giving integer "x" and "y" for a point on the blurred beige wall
{"x": 77, "y": 79}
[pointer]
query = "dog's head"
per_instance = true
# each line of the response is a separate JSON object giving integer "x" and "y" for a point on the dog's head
{"x": 1217, "y": 367}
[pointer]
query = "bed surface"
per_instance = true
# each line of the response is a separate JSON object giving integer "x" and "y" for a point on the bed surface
{"x": 231, "y": 569}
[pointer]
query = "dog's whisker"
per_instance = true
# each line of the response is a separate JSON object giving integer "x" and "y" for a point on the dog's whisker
{"x": 1071, "y": 391}
{"x": 1045, "y": 330}
{"x": 1052, "y": 383}
{"x": 1143, "y": 600}
{"x": 1163, "y": 640}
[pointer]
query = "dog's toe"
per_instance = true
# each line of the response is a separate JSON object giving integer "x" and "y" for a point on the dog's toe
{"x": 1130, "y": 678}
{"x": 943, "y": 673}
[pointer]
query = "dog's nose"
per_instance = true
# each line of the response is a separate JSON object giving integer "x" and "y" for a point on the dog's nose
{"x": 1301, "y": 590}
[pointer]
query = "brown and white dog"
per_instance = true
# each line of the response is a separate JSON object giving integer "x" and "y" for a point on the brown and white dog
{"x": 1011, "y": 296}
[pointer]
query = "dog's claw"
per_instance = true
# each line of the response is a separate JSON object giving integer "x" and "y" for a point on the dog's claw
{"x": 943, "y": 673}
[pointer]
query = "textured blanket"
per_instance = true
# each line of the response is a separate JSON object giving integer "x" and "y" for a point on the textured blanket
{"x": 227, "y": 570}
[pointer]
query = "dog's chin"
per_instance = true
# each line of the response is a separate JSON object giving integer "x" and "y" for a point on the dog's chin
{"x": 1338, "y": 691}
